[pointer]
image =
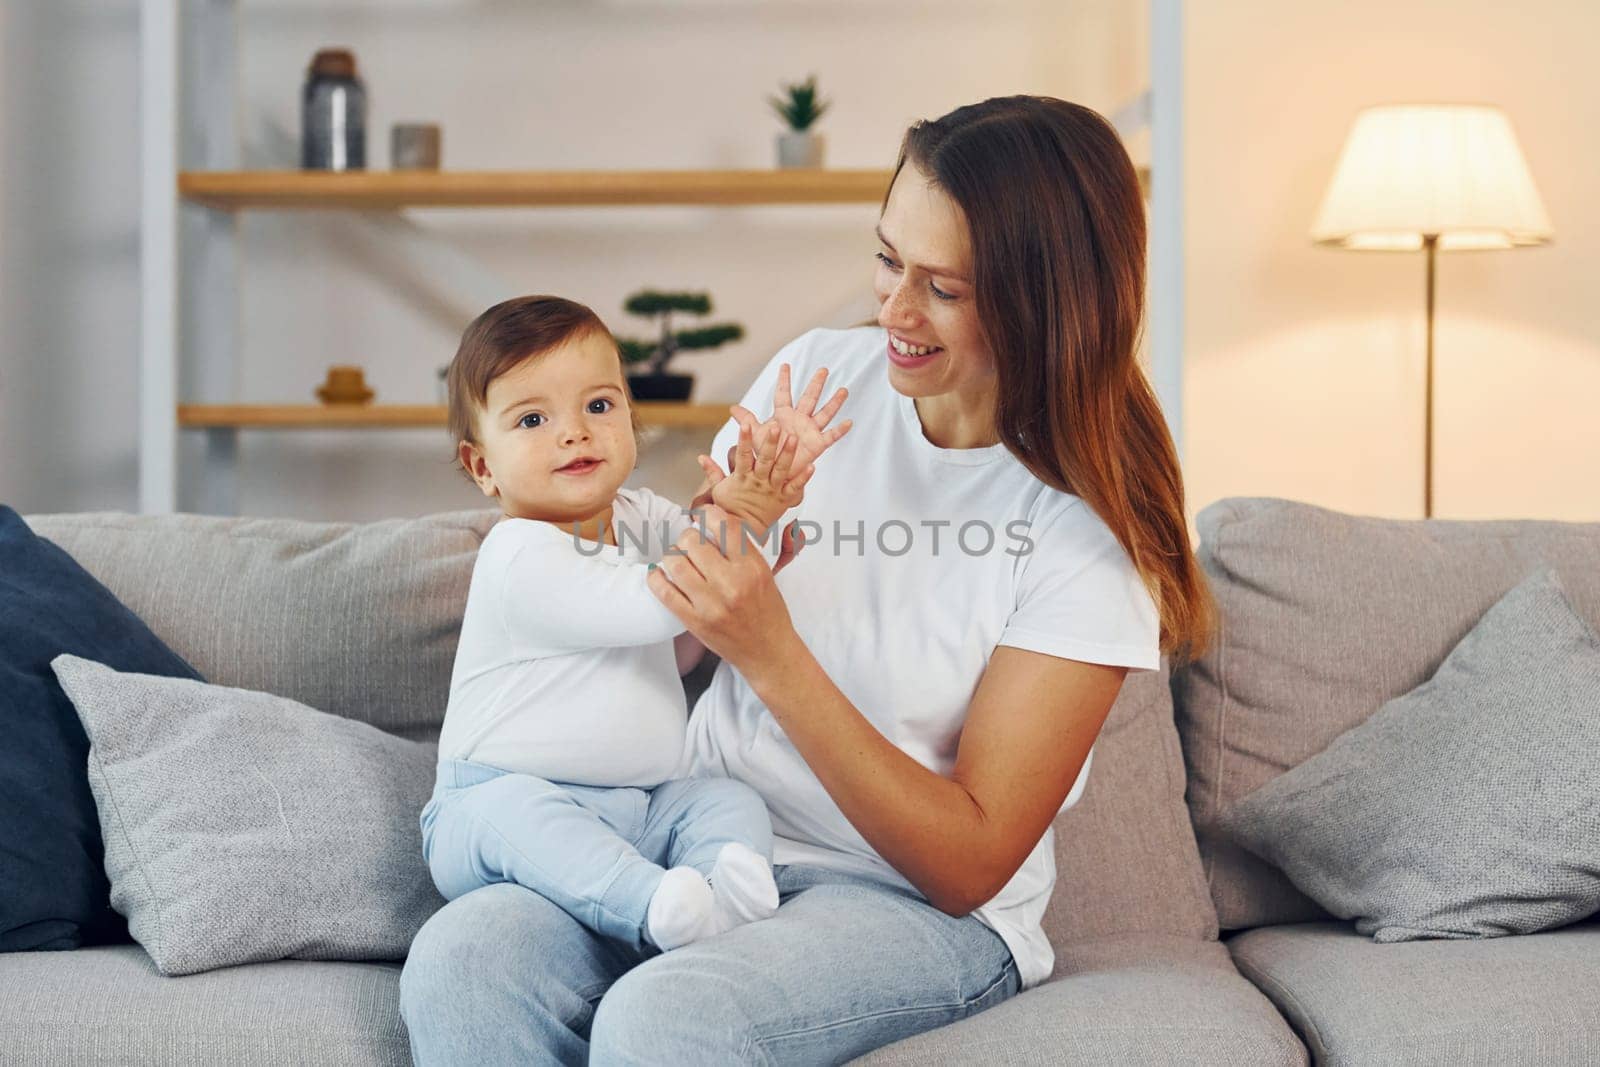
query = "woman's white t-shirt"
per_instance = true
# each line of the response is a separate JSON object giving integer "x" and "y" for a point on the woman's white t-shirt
{"x": 918, "y": 561}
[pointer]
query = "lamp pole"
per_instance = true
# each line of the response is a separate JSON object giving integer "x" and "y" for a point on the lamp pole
{"x": 1430, "y": 242}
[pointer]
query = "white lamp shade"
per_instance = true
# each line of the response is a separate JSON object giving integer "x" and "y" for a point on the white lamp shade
{"x": 1454, "y": 170}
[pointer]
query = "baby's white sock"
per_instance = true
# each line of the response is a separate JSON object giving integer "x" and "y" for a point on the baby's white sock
{"x": 680, "y": 910}
{"x": 742, "y": 888}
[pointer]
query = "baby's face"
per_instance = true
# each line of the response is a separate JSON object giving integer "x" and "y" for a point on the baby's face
{"x": 561, "y": 406}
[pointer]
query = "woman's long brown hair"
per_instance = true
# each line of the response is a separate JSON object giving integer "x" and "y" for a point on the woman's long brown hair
{"x": 1057, "y": 223}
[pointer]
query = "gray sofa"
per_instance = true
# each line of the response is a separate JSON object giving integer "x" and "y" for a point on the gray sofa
{"x": 1171, "y": 945}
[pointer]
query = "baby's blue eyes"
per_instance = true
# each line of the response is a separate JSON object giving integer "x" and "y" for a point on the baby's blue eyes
{"x": 892, "y": 265}
{"x": 526, "y": 425}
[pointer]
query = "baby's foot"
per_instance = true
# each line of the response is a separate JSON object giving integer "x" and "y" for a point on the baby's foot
{"x": 742, "y": 888}
{"x": 680, "y": 911}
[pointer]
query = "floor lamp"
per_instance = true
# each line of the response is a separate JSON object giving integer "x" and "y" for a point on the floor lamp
{"x": 1440, "y": 177}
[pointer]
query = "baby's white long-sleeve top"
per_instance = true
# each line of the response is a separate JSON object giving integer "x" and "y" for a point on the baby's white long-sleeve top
{"x": 565, "y": 668}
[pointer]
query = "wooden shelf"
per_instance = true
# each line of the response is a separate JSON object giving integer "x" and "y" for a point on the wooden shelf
{"x": 378, "y": 190}
{"x": 401, "y": 416}
{"x": 387, "y": 190}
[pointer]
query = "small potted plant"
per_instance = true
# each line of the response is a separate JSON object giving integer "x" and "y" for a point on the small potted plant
{"x": 800, "y": 108}
{"x": 653, "y": 382}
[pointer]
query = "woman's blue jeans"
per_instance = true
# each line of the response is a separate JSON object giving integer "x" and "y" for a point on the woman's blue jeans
{"x": 597, "y": 852}
{"x": 503, "y": 975}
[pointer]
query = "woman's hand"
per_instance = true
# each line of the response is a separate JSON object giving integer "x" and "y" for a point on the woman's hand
{"x": 793, "y": 540}
{"x": 720, "y": 587}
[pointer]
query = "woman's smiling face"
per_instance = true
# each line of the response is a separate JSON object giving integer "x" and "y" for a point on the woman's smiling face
{"x": 926, "y": 294}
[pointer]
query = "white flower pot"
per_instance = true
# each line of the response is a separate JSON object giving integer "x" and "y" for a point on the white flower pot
{"x": 800, "y": 149}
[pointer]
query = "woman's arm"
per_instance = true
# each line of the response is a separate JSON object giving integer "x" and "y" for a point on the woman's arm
{"x": 959, "y": 839}
{"x": 1028, "y": 731}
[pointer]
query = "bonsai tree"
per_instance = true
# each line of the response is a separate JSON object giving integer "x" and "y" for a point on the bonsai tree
{"x": 657, "y": 354}
{"x": 802, "y": 107}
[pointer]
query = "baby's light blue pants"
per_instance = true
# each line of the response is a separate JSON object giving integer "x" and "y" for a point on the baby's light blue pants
{"x": 596, "y": 852}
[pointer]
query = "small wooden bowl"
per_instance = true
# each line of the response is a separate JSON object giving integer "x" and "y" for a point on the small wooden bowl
{"x": 345, "y": 385}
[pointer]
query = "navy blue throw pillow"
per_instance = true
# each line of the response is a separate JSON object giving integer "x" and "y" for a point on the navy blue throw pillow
{"x": 53, "y": 888}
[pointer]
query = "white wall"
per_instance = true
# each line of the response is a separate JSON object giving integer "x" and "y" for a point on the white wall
{"x": 624, "y": 83}
{"x": 69, "y": 207}
{"x": 1304, "y": 366}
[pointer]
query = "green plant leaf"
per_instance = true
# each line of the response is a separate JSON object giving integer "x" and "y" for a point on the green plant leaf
{"x": 709, "y": 336}
{"x": 803, "y": 107}
{"x": 635, "y": 351}
{"x": 652, "y": 302}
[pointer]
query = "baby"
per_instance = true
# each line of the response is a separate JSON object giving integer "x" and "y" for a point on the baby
{"x": 566, "y": 717}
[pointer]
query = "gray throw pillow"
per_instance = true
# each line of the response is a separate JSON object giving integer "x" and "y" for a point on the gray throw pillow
{"x": 1470, "y": 806}
{"x": 241, "y": 826}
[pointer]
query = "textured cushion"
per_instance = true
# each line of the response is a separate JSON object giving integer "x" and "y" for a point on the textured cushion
{"x": 241, "y": 826}
{"x": 111, "y": 1006}
{"x": 1130, "y": 1000}
{"x": 1501, "y": 1000}
{"x": 1469, "y": 807}
{"x": 1125, "y": 853}
{"x": 53, "y": 888}
{"x": 356, "y": 619}
{"x": 1325, "y": 618}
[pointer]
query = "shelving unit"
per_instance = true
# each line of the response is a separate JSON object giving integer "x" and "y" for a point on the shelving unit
{"x": 192, "y": 191}
{"x": 222, "y": 193}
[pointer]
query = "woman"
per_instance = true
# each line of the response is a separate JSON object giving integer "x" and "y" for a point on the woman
{"x": 996, "y": 544}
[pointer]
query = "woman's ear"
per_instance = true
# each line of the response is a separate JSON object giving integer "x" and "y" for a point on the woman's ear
{"x": 474, "y": 463}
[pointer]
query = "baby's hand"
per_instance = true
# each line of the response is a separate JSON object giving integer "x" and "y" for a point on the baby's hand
{"x": 765, "y": 481}
{"x": 798, "y": 419}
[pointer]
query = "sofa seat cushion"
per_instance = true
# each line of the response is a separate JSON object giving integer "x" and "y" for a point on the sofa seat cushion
{"x": 109, "y": 1004}
{"x": 1132, "y": 999}
{"x": 1523, "y": 999}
